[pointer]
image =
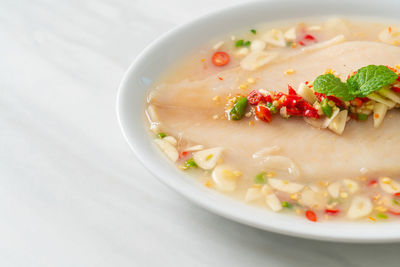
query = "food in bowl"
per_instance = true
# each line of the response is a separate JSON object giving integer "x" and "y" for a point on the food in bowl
{"x": 296, "y": 117}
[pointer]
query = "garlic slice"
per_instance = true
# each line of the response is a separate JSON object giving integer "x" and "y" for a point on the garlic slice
{"x": 274, "y": 37}
{"x": 253, "y": 194}
{"x": 208, "y": 158}
{"x": 285, "y": 186}
{"x": 312, "y": 199}
{"x": 351, "y": 186}
{"x": 273, "y": 202}
{"x": 338, "y": 124}
{"x": 168, "y": 149}
{"x": 257, "y": 45}
{"x": 389, "y": 185}
{"x": 290, "y": 34}
{"x": 266, "y": 151}
{"x": 361, "y": 206}
{"x": 379, "y": 114}
{"x": 171, "y": 140}
{"x": 306, "y": 92}
{"x": 225, "y": 178}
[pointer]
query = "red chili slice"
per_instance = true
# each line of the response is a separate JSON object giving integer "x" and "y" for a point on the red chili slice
{"x": 291, "y": 91}
{"x": 309, "y": 37}
{"x": 268, "y": 99}
{"x": 183, "y": 154}
{"x": 396, "y": 89}
{"x": 311, "y": 215}
{"x": 263, "y": 113}
{"x": 394, "y": 212}
{"x": 293, "y": 111}
{"x": 331, "y": 211}
{"x": 396, "y": 194}
{"x": 357, "y": 102}
{"x": 220, "y": 58}
{"x": 254, "y": 97}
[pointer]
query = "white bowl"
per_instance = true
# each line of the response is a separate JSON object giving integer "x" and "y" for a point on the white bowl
{"x": 171, "y": 46}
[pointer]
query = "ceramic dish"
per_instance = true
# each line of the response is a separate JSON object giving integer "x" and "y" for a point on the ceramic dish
{"x": 165, "y": 50}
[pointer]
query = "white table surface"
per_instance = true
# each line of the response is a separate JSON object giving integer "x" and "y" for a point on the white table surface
{"x": 71, "y": 191}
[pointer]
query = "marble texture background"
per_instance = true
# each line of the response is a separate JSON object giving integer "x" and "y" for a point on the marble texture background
{"x": 71, "y": 191}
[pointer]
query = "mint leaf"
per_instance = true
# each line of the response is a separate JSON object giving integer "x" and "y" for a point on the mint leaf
{"x": 370, "y": 79}
{"x": 328, "y": 84}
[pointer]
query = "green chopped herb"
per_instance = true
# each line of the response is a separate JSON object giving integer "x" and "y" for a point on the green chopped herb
{"x": 289, "y": 43}
{"x": 247, "y": 43}
{"x": 396, "y": 202}
{"x": 362, "y": 117}
{"x": 381, "y": 216}
{"x": 238, "y": 110}
{"x": 253, "y": 31}
{"x": 269, "y": 105}
{"x": 286, "y": 204}
{"x": 161, "y": 135}
{"x": 259, "y": 179}
{"x": 326, "y": 108}
{"x": 273, "y": 109}
{"x": 190, "y": 163}
{"x": 366, "y": 81}
{"x": 239, "y": 43}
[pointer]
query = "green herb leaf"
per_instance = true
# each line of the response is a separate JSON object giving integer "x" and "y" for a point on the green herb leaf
{"x": 239, "y": 43}
{"x": 259, "y": 179}
{"x": 190, "y": 163}
{"x": 253, "y": 31}
{"x": 161, "y": 135}
{"x": 370, "y": 79}
{"x": 328, "y": 84}
{"x": 286, "y": 204}
{"x": 247, "y": 43}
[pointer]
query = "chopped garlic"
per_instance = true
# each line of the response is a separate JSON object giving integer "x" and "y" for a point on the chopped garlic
{"x": 274, "y": 37}
{"x": 273, "y": 202}
{"x": 334, "y": 189}
{"x": 171, "y": 140}
{"x": 351, "y": 186}
{"x": 169, "y": 150}
{"x": 253, "y": 194}
{"x": 257, "y": 45}
{"x": 207, "y": 159}
{"x": 290, "y": 34}
{"x": 284, "y": 186}
{"x": 338, "y": 124}
{"x": 224, "y": 178}
{"x": 360, "y": 207}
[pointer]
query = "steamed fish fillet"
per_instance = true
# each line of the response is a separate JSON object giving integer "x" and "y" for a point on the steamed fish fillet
{"x": 187, "y": 108}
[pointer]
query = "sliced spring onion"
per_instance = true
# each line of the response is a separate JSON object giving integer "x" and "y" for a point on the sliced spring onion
{"x": 161, "y": 135}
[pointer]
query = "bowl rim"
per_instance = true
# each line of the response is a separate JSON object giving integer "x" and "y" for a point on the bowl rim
{"x": 166, "y": 172}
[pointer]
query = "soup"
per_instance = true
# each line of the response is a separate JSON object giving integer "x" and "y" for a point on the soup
{"x": 295, "y": 117}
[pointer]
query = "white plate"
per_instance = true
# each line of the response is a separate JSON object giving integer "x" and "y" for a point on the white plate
{"x": 171, "y": 46}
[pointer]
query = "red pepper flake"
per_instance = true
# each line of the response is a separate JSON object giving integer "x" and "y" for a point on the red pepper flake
{"x": 219, "y": 77}
{"x": 302, "y": 43}
{"x": 183, "y": 154}
{"x": 396, "y": 194}
{"x": 255, "y": 97}
{"x": 263, "y": 113}
{"x": 332, "y": 211}
{"x": 310, "y": 215}
{"x": 309, "y": 37}
{"x": 390, "y": 29}
{"x": 372, "y": 182}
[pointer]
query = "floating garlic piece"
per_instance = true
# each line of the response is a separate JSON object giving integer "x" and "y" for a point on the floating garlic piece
{"x": 379, "y": 114}
{"x": 338, "y": 124}
{"x": 194, "y": 148}
{"x": 244, "y": 51}
{"x": 389, "y": 185}
{"x": 257, "y": 59}
{"x": 257, "y": 45}
{"x": 273, "y": 202}
{"x": 253, "y": 194}
{"x": 266, "y": 190}
{"x": 290, "y": 34}
{"x": 351, "y": 186}
{"x": 208, "y": 158}
{"x": 334, "y": 189}
{"x": 312, "y": 199}
{"x": 360, "y": 207}
{"x": 168, "y": 149}
{"x": 171, "y": 140}
{"x": 389, "y": 35}
{"x": 274, "y": 37}
{"x": 285, "y": 186}
{"x": 224, "y": 178}
{"x": 306, "y": 92}
{"x": 282, "y": 164}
